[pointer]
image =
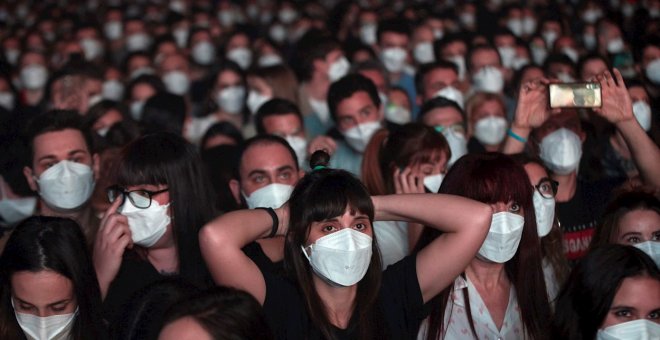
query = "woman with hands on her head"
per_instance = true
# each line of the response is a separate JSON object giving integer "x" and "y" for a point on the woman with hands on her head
{"x": 161, "y": 200}
{"x": 335, "y": 287}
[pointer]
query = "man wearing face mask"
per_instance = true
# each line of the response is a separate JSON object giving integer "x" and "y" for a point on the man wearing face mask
{"x": 648, "y": 65}
{"x": 438, "y": 79}
{"x": 282, "y": 118}
{"x": 174, "y": 70}
{"x": 63, "y": 169}
{"x": 485, "y": 69}
{"x": 357, "y": 112}
{"x": 558, "y": 136}
{"x": 33, "y": 76}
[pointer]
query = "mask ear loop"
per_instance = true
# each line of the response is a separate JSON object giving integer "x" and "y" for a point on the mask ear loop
{"x": 305, "y": 251}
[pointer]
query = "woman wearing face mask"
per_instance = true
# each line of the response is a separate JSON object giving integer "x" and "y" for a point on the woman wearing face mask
{"x": 632, "y": 218}
{"x": 497, "y": 294}
{"x": 277, "y": 81}
{"x": 412, "y": 159}
{"x": 48, "y": 288}
{"x": 161, "y": 199}
{"x": 487, "y": 124}
{"x": 336, "y": 287}
{"x": 613, "y": 293}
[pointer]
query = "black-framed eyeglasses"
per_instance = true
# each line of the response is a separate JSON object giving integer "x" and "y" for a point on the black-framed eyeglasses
{"x": 547, "y": 187}
{"x": 139, "y": 198}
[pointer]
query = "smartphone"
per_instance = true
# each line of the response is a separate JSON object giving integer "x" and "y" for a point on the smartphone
{"x": 585, "y": 95}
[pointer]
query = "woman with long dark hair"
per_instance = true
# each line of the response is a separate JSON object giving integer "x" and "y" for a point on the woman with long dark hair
{"x": 501, "y": 292}
{"x": 48, "y": 288}
{"x": 335, "y": 288}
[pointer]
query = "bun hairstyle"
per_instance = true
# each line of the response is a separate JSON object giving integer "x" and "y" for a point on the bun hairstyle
{"x": 319, "y": 160}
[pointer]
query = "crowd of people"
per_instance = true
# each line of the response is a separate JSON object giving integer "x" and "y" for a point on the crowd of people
{"x": 292, "y": 169}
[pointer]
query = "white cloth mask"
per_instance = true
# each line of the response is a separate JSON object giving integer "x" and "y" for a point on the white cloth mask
{"x": 147, "y": 225}
{"x": 338, "y": 69}
{"x": 278, "y": 33}
{"x": 92, "y": 48}
{"x": 467, "y": 19}
{"x": 342, "y": 257}
{"x": 320, "y": 109}
{"x": 538, "y": 54}
{"x": 615, "y": 46}
{"x": 368, "y": 33}
{"x": 490, "y": 130}
{"x": 231, "y": 99}
{"x": 255, "y": 100}
{"x": 7, "y": 100}
{"x": 549, "y": 37}
{"x": 14, "y": 210}
{"x": 503, "y": 237}
{"x": 653, "y": 71}
{"x": 299, "y": 146}
{"x": 112, "y": 89}
{"x": 642, "y": 112}
{"x": 203, "y": 53}
{"x": 529, "y": 25}
{"x": 397, "y": 114}
{"x": 457, "y": 143}
{"x": 451, "y": 93}
{"x": 287, "y": 15}
{"x": 113, "y": 30}
{"x": 651, "y": 248}
{"x": 177, "y": 82}
{"x": 590, "y": 16}
{"x": 489, "y": 79}
{"x": 640, "y": 329}
{"x": 516, "y": 26}
{"x": 571, "y": 53}
{"x": 394, "y": 59}
{"x": 138, "y": 42}
{"x": 34, "y": 76}
{"x": 136, "y": 110}
{"x": 460, "y": 63}
{"x": 141, "y": 71}
{"x": 66, "y": 185}
{"x": 589, "y": 41}
{"x": 273, "y": 195}
{"x": 423, "y": 53}
{"x": 180, "y": 37}
{"x": 46, "y": 328}
{"x": 359, "y": 136}
{"x": 242, "y": 56}
{"x": 561, "y": 151}
{"x": 544, "y": 209}
{"x": 270, "y": 60}
{"x": 432, "y": 182}
{"x": 507, "y": 53}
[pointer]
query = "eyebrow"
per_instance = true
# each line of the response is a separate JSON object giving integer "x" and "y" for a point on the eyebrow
{"x": 623, "y": 307}
{"x": 285, "y": 168}
{"x": 631, "y": 233}
{"x": 256, "y": 172}
{"x": 71, "y": 153}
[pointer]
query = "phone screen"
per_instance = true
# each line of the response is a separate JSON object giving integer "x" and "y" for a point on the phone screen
{"x": 574, "y": 95}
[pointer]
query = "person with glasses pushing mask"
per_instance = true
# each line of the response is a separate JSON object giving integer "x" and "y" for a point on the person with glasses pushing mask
{"x": 160, "y": 201}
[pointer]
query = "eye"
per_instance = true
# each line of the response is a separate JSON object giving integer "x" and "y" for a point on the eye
{"x": 58, "y": 308}
{"x": 360, "y": 226}
{"x": 633, "y": 239}
{"x": 515, "y": 207}
{"x": 285, "y": 175}
{"x": 623, "y": 313}
{"x": 328, "y": 228}
{"x": 655, "y": 237}
{"x": 654, "y": 315}
{"x": 259, "y": 178}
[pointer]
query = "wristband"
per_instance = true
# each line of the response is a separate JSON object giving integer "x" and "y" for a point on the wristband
{"x": 276, "y": 221}
{"x": 515, "y": 136}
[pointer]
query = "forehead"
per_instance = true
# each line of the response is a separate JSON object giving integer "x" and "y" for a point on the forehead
{"x": 446, "y": 75}
{"x": 644, "y": 221}
{"x": 484, "y": 56}
{"x": 58, "y": 142}
{"x": 445, "y": 116}
{"x": 281, "y": 122}
{"x": 42, "y": 287}
{"x": 535, "y": 172}
{"x": 265, "y": 157}
{"x": 629, "y": 293}
{"x": 354, "y": 103}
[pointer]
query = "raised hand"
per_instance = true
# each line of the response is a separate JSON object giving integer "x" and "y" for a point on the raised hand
{"x": 532, "y": 109}
{"x": 617, "y": 105}
{"x": 408, "y": 181}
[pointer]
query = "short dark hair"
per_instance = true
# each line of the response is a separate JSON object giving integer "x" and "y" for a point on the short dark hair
{"x": 312, "y": 47}
{"x": 53, "y": 121}
{"x": 450, "y": 38}
{"x": 425, "y": 69}
{"x": 164, "y": 112}
{"x": 346, "y": 87}
{"x": 264, "y": 140}
{"x": 275, "y": 107}
{"x": 438, "y": 103}
{"x": 222, "y": 128}
{"x": 480, "y": 47}
{"x": 394, "y": 25}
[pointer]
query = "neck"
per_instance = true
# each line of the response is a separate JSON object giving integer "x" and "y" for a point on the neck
{"x": 339, "y": 302}
{"x": 567, "y": 186}
{"x": 486, "y": 274}
{"x": 492, "y": 148}
{"x": 164, "y": 259}
{"x": 76, "y": 215}
{"x": 317, "y": 87}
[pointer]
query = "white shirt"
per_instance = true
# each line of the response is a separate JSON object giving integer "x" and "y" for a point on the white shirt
{"x": 458, "y": 327}
{"x": 392, "y": 238}
{"x": 551, "y": 283}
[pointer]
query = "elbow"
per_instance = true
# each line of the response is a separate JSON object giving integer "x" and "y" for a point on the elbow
{"x": 209, "y": 238}
{"x": 484, "y": 218}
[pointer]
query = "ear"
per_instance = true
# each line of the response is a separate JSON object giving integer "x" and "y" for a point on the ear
{"x": 301, "y": 174}
{"x": 235, "y": 188}
{"x": 28, "y": 173}
{"x": 96, "y": 166}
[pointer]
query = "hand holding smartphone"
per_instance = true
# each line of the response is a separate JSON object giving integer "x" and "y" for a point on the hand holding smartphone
{"x": 574, "y": 95}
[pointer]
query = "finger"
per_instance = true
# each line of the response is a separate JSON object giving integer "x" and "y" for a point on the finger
{"x": 404, "y": 180}
{"x": 113, "y": 222}
{"x": 608, "y": 78}
{"x": 619, "y": 77}
{"x": 397, "y": 185}
{"x": 112, "y": 209}
{"x": 117, "y": 228}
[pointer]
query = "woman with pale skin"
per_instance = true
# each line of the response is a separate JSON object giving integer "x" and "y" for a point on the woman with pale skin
{"x": 337, "y": 287}
{"x": 487, "y": 124}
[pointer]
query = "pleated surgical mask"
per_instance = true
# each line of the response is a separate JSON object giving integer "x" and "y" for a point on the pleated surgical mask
{"x": 147, "y": 225}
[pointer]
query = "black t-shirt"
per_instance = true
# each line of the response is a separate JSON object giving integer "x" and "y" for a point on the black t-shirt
{"x": 579, "y": 217}
{"x": 400, "y": 304}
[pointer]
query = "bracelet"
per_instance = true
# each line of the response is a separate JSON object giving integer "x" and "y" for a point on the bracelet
{"x": 276, "y": 221}
{"x": 515, "y": 136}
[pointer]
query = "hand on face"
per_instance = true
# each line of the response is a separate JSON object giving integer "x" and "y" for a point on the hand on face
{"x": 408, "y": 181}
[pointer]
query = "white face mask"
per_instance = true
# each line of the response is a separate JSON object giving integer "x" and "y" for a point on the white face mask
{"x": 438, "y": 33}
{"x": 320, "y": 109}
{"x": 113, "y": 30}
{"x": 255, "y": 100}
{"x": 529, "y": 25}
{"x": 545, "y": 213}
{"x": 278, "y": 33}
{"x": 287, "y": 15}
{"x": 368, "y": 33}
{"x": 653, "y": 71}
{"x": 651, "y": 248}
{"x": 242, "y": 56}
{"x": 538, "y": 54}
{"x": 141, "y": 71}
{"x": 590, "y": 16}
{"x": 46, "y": 328}
{"x": 397, "y": 114}
{"x": 571, "y": 53}
{"x": 642, "y": 112}
{"x": 615, "y": 46}
{"x": 467, "y": 19}
{"x": 66, "y": 185}
{"x": 136, "y": 110}
{"x": 640, "y": 329}
{"x": 14, "y": 210}
{"x": 342, "y": 257}
{"x": 112, "y": 90}
{"x": 507, "y": 53}
{"x": 503, "y": 237}
{"x": 92, "y": 48}
{"x": 203, "y": 53}
{"x": 394, "y": 59}
{"x": 147, "y": 225}
{"x": 490, "y": 130}
{"x": 273, "y": 195}
{"x": 359, "y": 136}
{"x": 138, "y": 42}
{"x": 489, "y": 79}
{"x": 589, "y": 41}
{"x": 7, "y": 100}
{"x": 95, "y": 99}
{"x": 34, "y": 76}
{"x": 299, "y": 146}
{"x": 451, "y": 93}
{"x": 433, "y": 182}
{"x": 561, "y": 151}
{"x": 423, "y": 53}
{"x": 270, "y": 60}
{"x": 516, "y": 26}
{"x": 519, "y": 62}
{"x": 549, "y": 37}
{"x": 12, "y": 54}
{"x": 460, "y": 63}
{"x": 457, "y": 143}
{"x": 176, "y": 82}
{"x": 338, "y": 69}
{"x": 231, "y": 99}
{"x": 180, "y": 36}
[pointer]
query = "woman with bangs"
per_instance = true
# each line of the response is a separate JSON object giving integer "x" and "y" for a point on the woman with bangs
{"x": 159, "y": 203}
{"x": 334, "y": 288}
{"x": 501, "y": 293}
{"x": 411, "y": 159}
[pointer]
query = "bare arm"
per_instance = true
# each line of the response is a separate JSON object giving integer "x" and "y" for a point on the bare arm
{"x": 464, "y": 222}
{"x": 221, "y": 241}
